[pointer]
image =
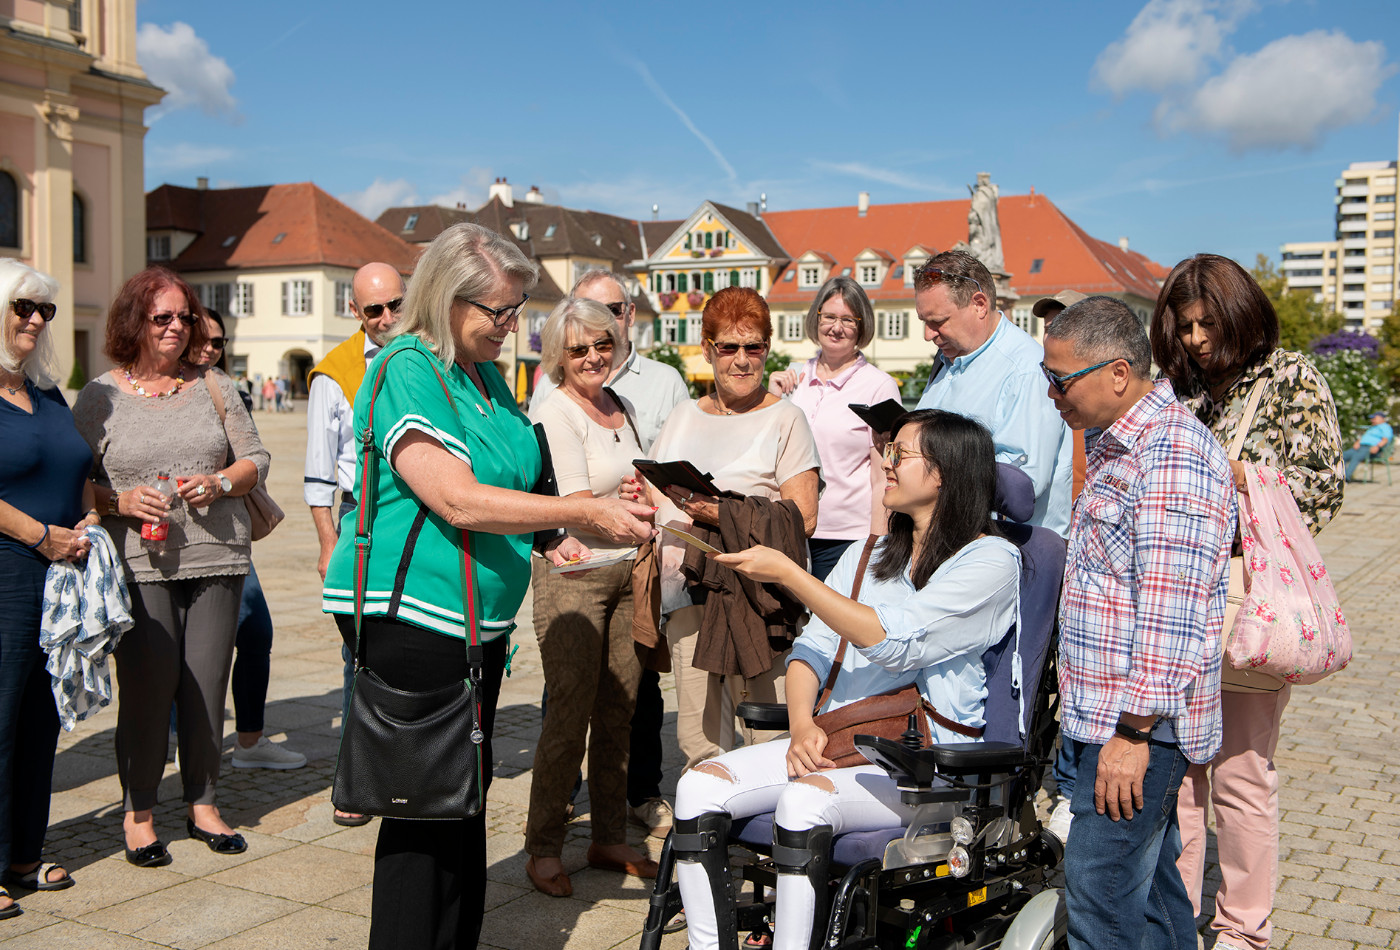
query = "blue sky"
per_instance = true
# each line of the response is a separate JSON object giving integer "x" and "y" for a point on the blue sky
{"x": 1186, "y": 125}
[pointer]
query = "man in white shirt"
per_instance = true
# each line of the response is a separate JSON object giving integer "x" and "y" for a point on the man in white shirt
{"x": 988, "y": 369}
{"x": 653, "y": 389}
{"x": 376, "y": 294}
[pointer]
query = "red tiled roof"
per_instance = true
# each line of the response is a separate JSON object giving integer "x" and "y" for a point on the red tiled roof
{"x": 1031, "y": 227}
{"x": 316, "y": 229}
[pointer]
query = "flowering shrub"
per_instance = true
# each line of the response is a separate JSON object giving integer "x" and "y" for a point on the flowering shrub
{"x": 1347, "y": 341}
{"x": 696, "y": 299}
{"x": 535, "y": 343}
{"x": 717, "y": 252}
{"x": 1356, "y": 385}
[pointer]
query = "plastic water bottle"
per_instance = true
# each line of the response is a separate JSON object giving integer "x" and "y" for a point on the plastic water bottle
{"x": 153, "y": 536}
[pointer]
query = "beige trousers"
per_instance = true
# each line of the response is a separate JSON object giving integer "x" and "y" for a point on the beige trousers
{"x": 705, "y": 723}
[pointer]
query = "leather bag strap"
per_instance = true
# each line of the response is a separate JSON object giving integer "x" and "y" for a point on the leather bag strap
{"x": 841, "y": 650}
{"x": 365, "y": 515}
{"x": 1256, "y": 393}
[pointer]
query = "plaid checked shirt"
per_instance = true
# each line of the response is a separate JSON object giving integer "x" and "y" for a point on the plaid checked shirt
{"x": 1146, "y": 578}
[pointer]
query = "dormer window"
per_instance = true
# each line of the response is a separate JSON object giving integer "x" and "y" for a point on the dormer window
{"x": 411, "y": 223}
{"x": 869, "y": 274}
{"x": 811, "y": 275}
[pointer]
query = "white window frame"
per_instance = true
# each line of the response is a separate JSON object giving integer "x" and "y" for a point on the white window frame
{"x": 1022, "y": 317}
{"x": 748, "y": 277}
{"x": 343, "y": 296}
{"x": 670, "y": 328}
{"x": 793, "y": 327}
{"x": 869, "y": 275}
{"x": 693, "y": 331}
{"x": 241, "y": 300}
{"x": 157, "y": 247}
{"x": 892, "y": 324}
{"x": 809, "y": 276}
{"x": 296, "y": 298}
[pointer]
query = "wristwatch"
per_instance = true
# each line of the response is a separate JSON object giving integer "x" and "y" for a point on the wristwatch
{"x": 225, "y": 484}
{"x": 112, "y": 500}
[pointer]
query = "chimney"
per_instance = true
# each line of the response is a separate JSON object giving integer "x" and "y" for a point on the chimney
{"x": 202, "y": 183}
{"x": 1032, "y": 201}
{"x": 533, "y": 196}
{"x": 501, "y": 189}
{"x": 1123, "y": 243}
{"x": 656, "y": 212}
{"x": 863, "y": 203}
{"x": 752, "y": 208}
{"x": 763, "y": 203}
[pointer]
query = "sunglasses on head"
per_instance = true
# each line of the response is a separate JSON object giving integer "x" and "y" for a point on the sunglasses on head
{"x": 603, "y": 346}
{"x": 1061, "y": 382}
{"x": 24, "y": 309}
{"x": 936, "y": 275}
{"x": 729, "y": 349}
{"x": 373, "y": 310}
{"x": 163, "y": 319}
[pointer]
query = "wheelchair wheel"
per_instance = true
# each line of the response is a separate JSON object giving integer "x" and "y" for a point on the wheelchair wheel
{"x": 1040, "y": 925}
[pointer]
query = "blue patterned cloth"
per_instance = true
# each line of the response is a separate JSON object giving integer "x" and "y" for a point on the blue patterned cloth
{"x": 85, "y": 612}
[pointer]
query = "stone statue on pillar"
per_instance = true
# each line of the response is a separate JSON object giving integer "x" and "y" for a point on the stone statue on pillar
{"x": 983, "y": 227}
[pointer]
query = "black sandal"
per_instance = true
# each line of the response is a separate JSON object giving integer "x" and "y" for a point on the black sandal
{"x": 219, "y": 844}
{"x": 38, "y": 879}
{"x": 14, "y": 910}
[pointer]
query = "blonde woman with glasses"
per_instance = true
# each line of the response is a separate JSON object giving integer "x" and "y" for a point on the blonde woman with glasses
{"x": 841, "y": 323}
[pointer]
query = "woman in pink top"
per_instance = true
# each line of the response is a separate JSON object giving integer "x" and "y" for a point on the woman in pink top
{"x": 840, "y": 322}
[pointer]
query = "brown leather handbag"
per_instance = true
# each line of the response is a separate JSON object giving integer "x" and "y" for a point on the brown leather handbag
{"x": 885, "y": 715}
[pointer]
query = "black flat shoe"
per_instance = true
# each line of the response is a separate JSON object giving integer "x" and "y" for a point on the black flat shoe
{"x": 219, "y": 844}
{"x": 151, "y": 856}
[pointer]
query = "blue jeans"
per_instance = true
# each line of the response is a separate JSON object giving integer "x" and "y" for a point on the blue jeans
{"x": 253, "y": 665}
{"x": 1122, "y": 886}
{"x": 825, "y": 552}
{"x": 28, "y": 717}
{"x": 1065, "y": 767}
{"x": 1354, "y": 457}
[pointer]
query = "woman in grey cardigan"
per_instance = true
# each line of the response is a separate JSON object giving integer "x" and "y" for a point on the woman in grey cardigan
{"x": 153, "y": 415}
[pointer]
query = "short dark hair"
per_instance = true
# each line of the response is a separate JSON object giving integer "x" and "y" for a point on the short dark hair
{"x": 962, "y": 452}
{"x": 126, "y": 318}
{"x": 955, "y": 264}
{"x": 222, "y": 362}
{"x": 1104, "y": 328}
{"x": 856, "y": 301}
{"x": 736, "y": 307}
{"x": 1247, "y": 325}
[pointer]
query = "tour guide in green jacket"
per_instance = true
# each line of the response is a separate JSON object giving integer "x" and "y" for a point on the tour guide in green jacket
{"x": 466, "y": 458}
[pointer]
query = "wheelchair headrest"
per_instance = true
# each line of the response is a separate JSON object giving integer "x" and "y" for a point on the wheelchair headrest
{"x": 1015, "y": 498}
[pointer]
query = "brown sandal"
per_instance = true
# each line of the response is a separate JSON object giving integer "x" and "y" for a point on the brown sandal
{"x": 557, "y": 886}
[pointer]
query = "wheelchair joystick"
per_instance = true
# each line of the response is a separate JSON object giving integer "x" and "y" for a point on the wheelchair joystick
{"x": 911, "y": 738}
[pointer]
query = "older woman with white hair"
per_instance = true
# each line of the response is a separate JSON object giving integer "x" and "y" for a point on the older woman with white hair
{"x": 455, "y": 455}
{"x": 46, "y": 503}
{"x": 584, "y": 621}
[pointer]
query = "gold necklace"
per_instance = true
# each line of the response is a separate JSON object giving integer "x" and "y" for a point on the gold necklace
{"x": 131, "y": 381}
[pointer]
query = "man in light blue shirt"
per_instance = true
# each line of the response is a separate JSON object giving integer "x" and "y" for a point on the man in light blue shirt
{"x": 1370, "y": 443}
{"x": 988, "y": 369}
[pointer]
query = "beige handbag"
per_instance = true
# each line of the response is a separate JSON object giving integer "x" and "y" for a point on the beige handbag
{"x": 1233, "y": 680}
{"x": 264, "y": 513}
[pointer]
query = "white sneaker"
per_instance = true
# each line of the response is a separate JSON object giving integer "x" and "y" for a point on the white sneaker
{"x": 1060, "y": 819}
{"x": 655, "y": 815}
{"x": 266, "y": 755}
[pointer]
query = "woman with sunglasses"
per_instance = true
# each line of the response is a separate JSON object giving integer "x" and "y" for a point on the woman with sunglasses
{"x": 583, "y": 621}
{"x": 840, "y": 322}
{"x": 1215, "y": 335}
{"x": 252, "y": 665}
{"x": 44, "y": 493}
{"x": 453, "y": 453}
{"x": 152, "y": 416}
{"x": 754, "y": 445}
{"x": 937, "y": 591}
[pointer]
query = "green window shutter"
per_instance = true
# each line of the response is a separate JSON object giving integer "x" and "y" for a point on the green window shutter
{"x": 687, "y": 242}
{"x": 734, "y": 278}
{"x": 709, "y": 282}
{"x": 709, "y": 240}
{"x": 680, "y": 283}
{"x": 285, "y": 295}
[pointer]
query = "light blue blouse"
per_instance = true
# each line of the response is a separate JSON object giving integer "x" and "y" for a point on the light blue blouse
{"x": 934, "y": 637}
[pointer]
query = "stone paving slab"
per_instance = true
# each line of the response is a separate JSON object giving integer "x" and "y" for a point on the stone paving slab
{"x": 304, "y": 882}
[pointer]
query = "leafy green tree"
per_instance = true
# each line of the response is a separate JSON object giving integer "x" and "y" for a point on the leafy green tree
{"x": 668, "y": 354}
{"x": 1390, "y": 349}
{"x": 776, "y": 362}
{"x": 1301, "y": 319}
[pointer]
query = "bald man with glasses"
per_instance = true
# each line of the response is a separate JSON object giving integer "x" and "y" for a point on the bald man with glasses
{"x": 376, "y": 294}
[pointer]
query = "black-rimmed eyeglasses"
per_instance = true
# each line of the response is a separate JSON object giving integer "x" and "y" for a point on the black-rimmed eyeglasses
{"x": 1060, "y": 382}
{"x": 24, "y": 308}
{"x": 500, "y": 316}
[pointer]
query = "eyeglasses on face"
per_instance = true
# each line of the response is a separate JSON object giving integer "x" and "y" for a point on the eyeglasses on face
{"x": 603, "y": 346}
{"x": 936, "y": 275}
{"x": 847, "y": 323}
{"x": 217, "y": 342}
{"x": 616, "y": 309}
{"x": 1061, "y": 382}
{"x": 500, "y": 316}
{"x": 729, "y": 349}
{"x": 24, "y": 309}
{"x": 895, "y": 453}
{"x": 163, "y": 319}
{"x": 373, "y": 310}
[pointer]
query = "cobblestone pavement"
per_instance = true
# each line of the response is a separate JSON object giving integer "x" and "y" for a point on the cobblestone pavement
{"x": 305, "y": 882}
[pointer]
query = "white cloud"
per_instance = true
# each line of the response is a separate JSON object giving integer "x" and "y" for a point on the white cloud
{"x": 888, "y": 176}
{"x": 184, "y": 156}
{"x": 1169, "y": 43}
{"x": 180, "y": 62}
{"x": 1289, "y": 93}
{"x": 381, "y": 194}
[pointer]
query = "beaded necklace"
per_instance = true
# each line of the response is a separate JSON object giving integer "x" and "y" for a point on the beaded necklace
{"x": 131, "y": 381}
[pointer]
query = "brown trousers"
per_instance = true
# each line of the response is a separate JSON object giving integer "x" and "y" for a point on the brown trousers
{"x": 591, "y": 670}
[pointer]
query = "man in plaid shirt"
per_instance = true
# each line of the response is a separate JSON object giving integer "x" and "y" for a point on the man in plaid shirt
{"x": 1140, "y": 617}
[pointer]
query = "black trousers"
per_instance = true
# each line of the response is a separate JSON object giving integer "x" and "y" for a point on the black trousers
{"x": 429, "y": 876}
{"x": 644, "y": 759}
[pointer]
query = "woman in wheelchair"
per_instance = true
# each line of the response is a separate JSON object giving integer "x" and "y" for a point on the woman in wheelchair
{"x": 939, "y": 590}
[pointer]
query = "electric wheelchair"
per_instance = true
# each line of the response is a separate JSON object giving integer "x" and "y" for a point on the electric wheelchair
{"x": 972, "y": 868}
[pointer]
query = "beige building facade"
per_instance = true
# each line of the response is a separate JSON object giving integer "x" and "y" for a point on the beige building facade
{"x": 72, "y": 130}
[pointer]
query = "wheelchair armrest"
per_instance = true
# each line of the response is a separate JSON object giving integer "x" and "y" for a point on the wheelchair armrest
{"x": 767, "y": 716}
{"x": 919, "y": 767}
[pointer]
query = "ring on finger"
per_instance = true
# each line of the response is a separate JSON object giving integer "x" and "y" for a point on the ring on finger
{"x": 199, "y": 490}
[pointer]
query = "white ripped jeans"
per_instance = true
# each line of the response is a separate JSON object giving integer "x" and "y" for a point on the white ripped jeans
{"x": 754, "y": 781}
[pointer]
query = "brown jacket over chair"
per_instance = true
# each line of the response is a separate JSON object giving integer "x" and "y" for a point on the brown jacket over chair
{"x": 746, "y": 624}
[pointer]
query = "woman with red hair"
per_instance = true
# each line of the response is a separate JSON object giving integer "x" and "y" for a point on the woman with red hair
{"x": 759, "y": 450}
